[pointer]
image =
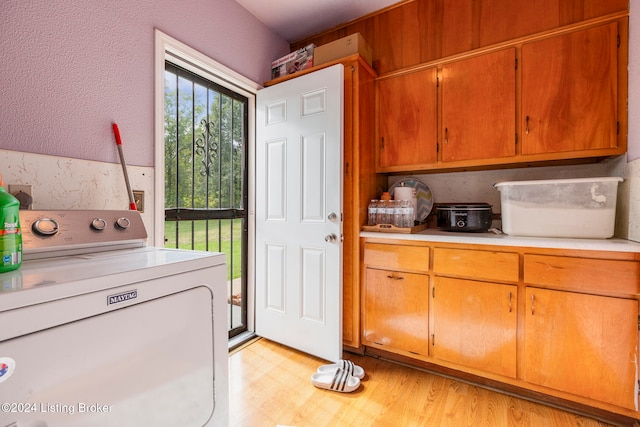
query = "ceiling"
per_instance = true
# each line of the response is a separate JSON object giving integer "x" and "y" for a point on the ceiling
{"x": 296, "y": 19}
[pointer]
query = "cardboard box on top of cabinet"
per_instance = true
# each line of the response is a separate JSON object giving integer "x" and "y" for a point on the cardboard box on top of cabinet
{"x": 299, "y": 60}
{"x": 345, "y": 46}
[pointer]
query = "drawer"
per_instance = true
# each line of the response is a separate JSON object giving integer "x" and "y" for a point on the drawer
{"x": 482, "y": 265}
{"x": 397, "y": 257}
{"x": 586, "y": 274}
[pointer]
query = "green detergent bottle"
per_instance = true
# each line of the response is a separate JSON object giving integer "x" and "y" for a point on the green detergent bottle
{"x": 10, "y": 232}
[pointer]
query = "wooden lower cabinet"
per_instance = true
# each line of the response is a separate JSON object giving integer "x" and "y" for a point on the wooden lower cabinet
{"x": 475, "y": 324}
{"x": 396, "y": 314}
{"x": 582, "y": 344}
{"x": 557, "y": 324}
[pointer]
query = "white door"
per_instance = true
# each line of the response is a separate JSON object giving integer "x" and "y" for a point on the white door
{"x": 299, "y": 149}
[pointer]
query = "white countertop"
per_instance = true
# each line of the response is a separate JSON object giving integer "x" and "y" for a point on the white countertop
{"x": 489, "y": 238}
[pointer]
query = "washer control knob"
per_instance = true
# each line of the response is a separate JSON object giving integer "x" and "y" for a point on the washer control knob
{"x": 123, "y": 223}
{"x": 45, "y": 227}
{"x": 98, "y": 224}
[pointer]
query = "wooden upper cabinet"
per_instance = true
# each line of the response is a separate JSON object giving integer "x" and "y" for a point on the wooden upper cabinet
{"x": 570, "y": 93}
{"x": 407, "y": 121}
{"x": 478, "y": 107}
{"x": 420, "y": 31}
{"x": 472, "y": 24}
{"x": 406, "y": 36}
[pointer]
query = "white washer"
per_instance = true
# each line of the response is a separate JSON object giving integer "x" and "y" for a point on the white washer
{"x": 98, "y": 329}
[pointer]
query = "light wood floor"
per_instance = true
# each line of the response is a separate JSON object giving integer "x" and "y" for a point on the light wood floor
{"x": 270, "y": 385}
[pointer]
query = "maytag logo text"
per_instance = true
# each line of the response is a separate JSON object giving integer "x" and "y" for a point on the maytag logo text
{"x": 125, "y": 296}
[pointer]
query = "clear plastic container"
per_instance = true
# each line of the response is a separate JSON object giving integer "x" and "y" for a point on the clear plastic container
{"x": 407, "y": 213}
{"x": 573, "y": 208}
{"x": 372, "y": 212}
{"x": 397, "y": 213}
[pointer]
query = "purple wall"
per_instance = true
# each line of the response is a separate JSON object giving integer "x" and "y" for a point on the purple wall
{"x": 71, "y": 68}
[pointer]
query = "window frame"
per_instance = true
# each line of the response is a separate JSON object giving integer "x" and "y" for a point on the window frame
{"x": 169, "y": 49}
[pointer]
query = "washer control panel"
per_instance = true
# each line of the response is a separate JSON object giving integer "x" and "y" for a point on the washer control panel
{"x": 58, "y": 230}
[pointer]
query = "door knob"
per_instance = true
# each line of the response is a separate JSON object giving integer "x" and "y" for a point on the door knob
{"x": 333, "y": 216}
{"x": 331, "y": 238}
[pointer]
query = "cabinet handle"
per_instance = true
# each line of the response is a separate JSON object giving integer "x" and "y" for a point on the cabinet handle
{"x": 433, "y": 339}
{"x": 526, "y": 127}
{"x": 533, "y": 300}
{"x": 394, "y": 277}
{"x": 510, "y": 306}
{"x": 446, "y": 135}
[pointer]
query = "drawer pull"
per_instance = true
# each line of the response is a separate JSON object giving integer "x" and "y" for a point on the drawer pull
{"x": 394, "y": 277}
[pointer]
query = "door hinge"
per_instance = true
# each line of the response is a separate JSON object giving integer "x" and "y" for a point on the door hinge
{"x": 437, "y": 81}
{"x": 382, "y": 143}
{"x": 516, "y": 63}
{"x": 437, "y": 147}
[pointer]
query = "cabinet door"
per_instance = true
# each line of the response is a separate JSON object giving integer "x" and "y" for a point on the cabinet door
{"x": 396, "y": 310}
{"x": 475, "y": 324}
{"x": 478, "y": 107}
{"x": 582, "y": 344}
{"x": 569, "y": 92}
{"x": 407, "y": 114}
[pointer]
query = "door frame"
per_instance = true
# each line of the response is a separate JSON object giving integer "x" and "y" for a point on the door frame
{"x": 169, "y": 49}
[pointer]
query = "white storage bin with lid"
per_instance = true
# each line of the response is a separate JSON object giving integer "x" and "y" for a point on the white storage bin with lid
{"x": 574, "y": 208}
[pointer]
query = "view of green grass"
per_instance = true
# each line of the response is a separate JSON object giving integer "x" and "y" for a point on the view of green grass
{"x": 219, "y": 234}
